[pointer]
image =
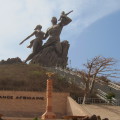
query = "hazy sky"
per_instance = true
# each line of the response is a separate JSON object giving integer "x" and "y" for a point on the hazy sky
{"x": 95, "y": 29}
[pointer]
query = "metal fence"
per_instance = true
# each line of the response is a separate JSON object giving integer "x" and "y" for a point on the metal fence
{"x": 113, "y": 101}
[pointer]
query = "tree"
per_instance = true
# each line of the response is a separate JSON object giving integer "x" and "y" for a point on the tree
{"x": 95, "y": 69}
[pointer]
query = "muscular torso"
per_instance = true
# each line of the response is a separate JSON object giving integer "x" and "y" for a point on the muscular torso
{"x": 55, "y": 30}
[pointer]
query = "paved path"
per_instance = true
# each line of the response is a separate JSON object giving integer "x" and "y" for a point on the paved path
{"x": 105, "y": 111}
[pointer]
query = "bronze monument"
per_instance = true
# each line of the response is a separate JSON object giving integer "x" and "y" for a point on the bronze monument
{"x": 53, "y": 52}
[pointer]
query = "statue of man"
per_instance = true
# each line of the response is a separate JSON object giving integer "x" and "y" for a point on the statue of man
{"x": 53, "y": 33}
{"x": 36, "y": 43}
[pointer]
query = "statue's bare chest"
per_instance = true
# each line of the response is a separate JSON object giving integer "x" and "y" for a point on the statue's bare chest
{"x": 55, "y": 29}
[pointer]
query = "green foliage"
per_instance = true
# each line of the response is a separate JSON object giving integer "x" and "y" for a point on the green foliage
{"x": 36, "y": 118}
{"x": 110, "y": 95}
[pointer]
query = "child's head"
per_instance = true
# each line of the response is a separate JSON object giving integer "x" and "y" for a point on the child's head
{"x": 63, "y": 13}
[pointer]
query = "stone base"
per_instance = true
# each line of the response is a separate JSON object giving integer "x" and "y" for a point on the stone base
{"x": 50, "y": 57}
{"x": 48, "y": 115}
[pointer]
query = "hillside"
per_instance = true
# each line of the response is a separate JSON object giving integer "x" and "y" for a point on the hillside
{"x": 33, "y": 78}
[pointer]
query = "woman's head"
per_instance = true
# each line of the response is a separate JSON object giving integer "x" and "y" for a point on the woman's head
{"x": 38, "y": 27}
{"x": 54, "y": 20}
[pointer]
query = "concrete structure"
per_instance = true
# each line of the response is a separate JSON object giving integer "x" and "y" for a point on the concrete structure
{"x": 74, "y": 108}
{"x": 105, "y": 111}
{"x": 49, "y": 106}
{"x": 30, "y": 104}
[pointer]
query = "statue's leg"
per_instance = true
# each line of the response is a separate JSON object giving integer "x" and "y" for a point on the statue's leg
{"x": 58, "y": 48}
{"x": 29, "y": 57}
{"x": 50, "y": 42}
{"x": 35, "y": 46}
{"x": 35, "y": 50}
{"x": 31, "y": 44}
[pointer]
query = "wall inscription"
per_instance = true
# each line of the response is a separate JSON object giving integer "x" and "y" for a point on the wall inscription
{"x": 22, "y": 97}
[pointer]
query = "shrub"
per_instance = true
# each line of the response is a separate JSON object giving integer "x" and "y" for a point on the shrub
{"x": 110, "y": 95}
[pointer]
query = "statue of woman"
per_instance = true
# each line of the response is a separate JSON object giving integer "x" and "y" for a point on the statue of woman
{"x": 36, "y": 43}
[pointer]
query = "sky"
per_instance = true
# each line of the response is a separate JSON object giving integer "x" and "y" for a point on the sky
{"x": 94, "y": 30}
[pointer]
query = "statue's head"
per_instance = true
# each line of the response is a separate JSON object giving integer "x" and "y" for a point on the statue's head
{"x": 54, "y": 20}
{"x": 38, "y": 27}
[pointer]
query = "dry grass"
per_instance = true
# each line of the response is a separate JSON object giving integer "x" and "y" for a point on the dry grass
{"x": 22, "y": 77}
{"x": 33, "y": 78}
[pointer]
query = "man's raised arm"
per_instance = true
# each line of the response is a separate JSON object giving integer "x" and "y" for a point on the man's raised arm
{"x": 65, "y": 21}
